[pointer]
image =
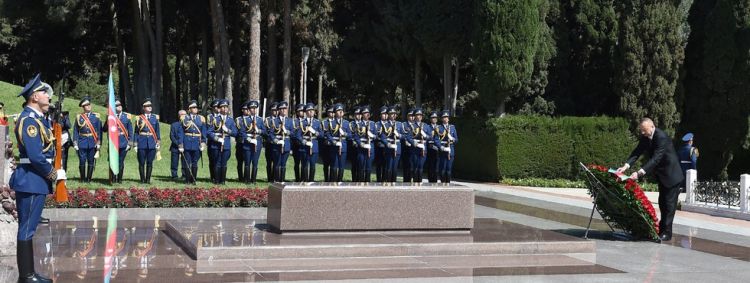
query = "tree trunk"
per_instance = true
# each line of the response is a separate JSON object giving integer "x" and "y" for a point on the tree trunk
{"x": 455, "y": 89}
{"x": 204, "y": 66}
{"x": 287, "y": 67}
{"x": 142, "y": 59}
{"x": 122, "y": 59}
{"x": 223, "y": 78}
{"x": 235, "y": 14}
{"x": 164, "y": 92}
{"x": 155, "y": 74}
{"x": 272, "y": 52}
{"x": 178, "y": 97}
{"x": 417, "y": 81}
{"x": 447, "y": 82}
{"x": 253, "y": 70}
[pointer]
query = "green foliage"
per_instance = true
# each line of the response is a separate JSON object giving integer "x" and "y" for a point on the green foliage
{"x": 544, "y": 183}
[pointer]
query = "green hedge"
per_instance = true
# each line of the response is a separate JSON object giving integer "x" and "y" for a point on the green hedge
{"x": 538, "y": 147}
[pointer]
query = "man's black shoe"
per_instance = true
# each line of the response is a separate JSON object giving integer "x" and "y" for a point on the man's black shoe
{"x": 665, "y": 237}
{"x": 43, "y": 220}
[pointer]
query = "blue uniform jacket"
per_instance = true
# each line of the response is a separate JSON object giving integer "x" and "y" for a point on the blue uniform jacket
{"x": 215, "y": 131}
{"x": 124, "y": 134}
{"x": 175, "y": 135}
{"x": 252, "y": 128}
{"x": 391, "y": 132}
{"x": 193, "y": 132}
{"x": 420, "y": 134}
{"x": 337, "y": 131}
{"x": 278, "y": 130}
{"x": 142, "y": 135}
{"x": 688, "y": 157}
{"x": 35, "y": 172}
{"x": 441, "y": 138}
{"x": 309, "y": 132}
{"x": 83, "y": 135}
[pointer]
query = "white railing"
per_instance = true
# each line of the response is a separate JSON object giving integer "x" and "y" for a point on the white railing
{"x": 727, "y": 199}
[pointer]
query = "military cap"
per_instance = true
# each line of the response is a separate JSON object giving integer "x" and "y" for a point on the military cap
{"x": 283, "y": 105}
{"x": 223, "y": 102}
{"x": 365, "y": 109}
{"x": 330, "y": 109}
{"x": 446, "y": 113}
{"x": 418, "y": 111}
{"x": 384, "y": 110}
{"x": 253, "y": 104}
{"x": 275, "y": 106}
{"x": 87, "y": 100}
{"x": 300, "y": 107}
{"x": 687, "y": 137}
{"x": 35, "y": 85}
{"x": 392, "y": 110}
{"x": 147, "y": 102}
{"x": 309, "y": 106}
{"x": 118, "y": 103}
{"x": 338, "y": 107}
{"x": 193, "y": 104}
{"x": 245, "y": 105}
{"x": 433, "y": 114}
{"x": 215, "y": 103}
{"x": 357, "y": 110}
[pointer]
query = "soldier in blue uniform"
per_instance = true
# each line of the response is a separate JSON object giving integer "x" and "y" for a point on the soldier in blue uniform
{"x": 336, "y": 134}
{"x": 309, "y": 134}
{"x": 420, "y": 134}
{"x": 279, "y": 133}
{"x": 87, "y": 135}
{"x": 67, "y": 142}
{"x": 220, "y": 134}
{"x": 210, "y": 121}
{"x": 323, "y": 144}
{"x": 688, "y": 154}
{"x": 353, "y": 144}
{"x": 365, "y": 135}
{"x": 176, "y": 148}
{"x": 445, "y": 138}
{"x": 432, "y": 149}
{"x": 33, "y": 178}
{"x": 193, "y": 127}
{"x": 403, "y": 138}
{"x": 124, "y": 131}
{"x": 146, "y": 140}
{"x": 407, "y": 150}
{"x": 268, "y": 141}
{"x": 380, "y": 146}
{"x": 250, "y": 131}
{"x": 239, "y": 153}
{"x": 297, "y": 150}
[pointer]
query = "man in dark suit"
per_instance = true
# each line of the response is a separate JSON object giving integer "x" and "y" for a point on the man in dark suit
{"x": 665, "y": 165}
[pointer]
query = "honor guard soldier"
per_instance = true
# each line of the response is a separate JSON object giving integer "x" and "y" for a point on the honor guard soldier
{"x": 297, "y": 149}
{"x": 365, "y": 135}
{"x": 34, "y": 177}
{"x": 688, "y": 153}
{"x": 86, "y": 139}
{"x": 380, "y": 146}
{"x": 323, "y": 144}
{"x": 309, "y": 134}
{"x": 211, "y": 158}
{"x": 279, "y": 132}
{"x": 432, "y": 149}
{"x": 147, "y": 140}
{"x": 67, "y": 142}
{"x": 239, "y": 155}
{"x": 336, "y": 135}
{"x": 420, "y": 134}
{"x": 408, "y": 148}
{"x": 445, "y": 138}
{"x": 124, "y": 130}
{"x": 391, "y": 134}
{"x": 269, "y": 142}
{"x": 220, "y": 134}
{"x": 193, "y": 141}
{"x": 353, "y": 143}
{"x": 250, "y": 131}
{"x": 176, "y": 148}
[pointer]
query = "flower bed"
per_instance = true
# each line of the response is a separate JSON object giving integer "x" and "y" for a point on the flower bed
{"x": 625, "y": 204}
{"x": 154, "y": 197}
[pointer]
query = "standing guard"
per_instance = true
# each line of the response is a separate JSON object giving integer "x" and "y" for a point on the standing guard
{"x": 445, "y": 138}
{"x": 86, "y": 139}
{"x": 365, "y": 133}
{"x": 250, "y": 131}
{"x": 239, "y": 153}
{"x": 147, "y": 140}
{"x": 210, "y": 120}
{"x": 279, "y": 133}
{"x": 220, "y": 135}
{"x": 176, "y": 148}
{"x": 309, "y": 134}
{"x": 124, "y": 130}
{"x": 420, "y": 134}
{"x": 269, "y": 143}
{"x": 336, "y": 135}
{"x": 325, "y": 145}
{"x": 297, "y": 149}
{"x": 381, "y": 146}
{"x": 432, "y": 149}
{"x": 407, "y": 151}
{"x": 354, "y": 144}
{"x": 193, "y": 141}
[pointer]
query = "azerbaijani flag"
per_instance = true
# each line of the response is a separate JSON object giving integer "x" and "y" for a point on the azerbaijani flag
{"x": 114, "y": 137}
{"x": 109, "y": 250}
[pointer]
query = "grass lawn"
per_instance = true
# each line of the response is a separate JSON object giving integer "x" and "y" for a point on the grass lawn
{"x": 160, "y": 176}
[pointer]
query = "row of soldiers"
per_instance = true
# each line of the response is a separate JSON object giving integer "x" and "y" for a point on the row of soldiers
{"x": 335, "y": 140}
{"x": 416, "y": 145}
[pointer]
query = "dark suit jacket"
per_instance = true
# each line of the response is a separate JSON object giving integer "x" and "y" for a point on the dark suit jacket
{"x": 663, "y": 163}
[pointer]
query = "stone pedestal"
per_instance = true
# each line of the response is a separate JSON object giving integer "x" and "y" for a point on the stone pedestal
{"x": 295, "y": 207}
{"x": 8, "y": 233}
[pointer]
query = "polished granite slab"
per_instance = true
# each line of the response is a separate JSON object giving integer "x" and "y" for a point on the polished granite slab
{"x": 294, "y": 207}
{"x": 237, "y": 239}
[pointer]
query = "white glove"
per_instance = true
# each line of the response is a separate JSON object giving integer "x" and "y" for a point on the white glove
{"x": 64, "y": 138}
{"x": 203, "y": 146}
{"x": 308, "y": 143}
{"x": 370, "y": 135}
{"x": 220, "y": 140}
{"x": 286, "y": 132}
{"x": 420, "y": 145}
{"x": 158, "y": 145}
{"x": 313, "y": 131}
{"x": 127, "y": 148}
{"x": 225, "y": 129}
{"x": 135, "y": 148}
{"x": 181, "y": 149}
{"x": 338, "y": 143}
{"x": 280, "y": 142}
{"x": 397, "y": 135}
{"x": 392, "y": 145}
{"x": 366, "y": 145}
{"x": 98, "y": 146}
{"x": 446, "y": 148}
{"x": 450, "y": 138}
{"x": 252, "y": 140}
{"x": 75, "y": 147}
{"x": 61, "y": 175}
{"x": 422, "y": 133}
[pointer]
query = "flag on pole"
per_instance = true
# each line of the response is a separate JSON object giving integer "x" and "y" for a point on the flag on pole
{"x": 109, "y": 250}
{"x": 114, "y": 136}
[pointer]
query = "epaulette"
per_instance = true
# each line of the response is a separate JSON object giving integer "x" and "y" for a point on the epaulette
{"x": 96, "y": 114}
{"x": 157, "y": 117}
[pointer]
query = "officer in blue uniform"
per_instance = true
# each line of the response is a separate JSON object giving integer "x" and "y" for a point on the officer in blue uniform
{"x": 403, "y": 137}
{"x": 210, "y": 121}
{"x": 380, "y": 145}
{"x": 193, "y": 127}
{"x": 279, "y": 133}
{"x": 268, "y": 142}
{"x": 353, "y": 144}
{"x": 688, "y": 154}
{"x": 309, "y": 134}
{"x": 124, "y": 131}
{"x": 365, "y": 135}
{"x": 147, "y": 140}
{"x": 323, "y": 143}
{"x": 239, "y": 153}
{"x": 420, "y": 134}
{"x": 336, "y": 135}
{"x": 220, "y": 134}
{"x": 432, "y": 149}
{"x": 33, "y": 178}
{"x": 251, "y": 130}
{"x": 407, "y": 151}
{"x": 297, "y": 150}
{"x": 445, "y": 138}
{"x": 176, "y": 148}
{"x": 87, "y": 140}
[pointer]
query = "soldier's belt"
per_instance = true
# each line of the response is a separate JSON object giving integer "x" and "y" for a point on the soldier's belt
{"x": 28, "y": 161}
{"x": 145, "y": 134}
{"x": 392, "y": 140}
{"x": 191, "y": 135}
{"x": 87, "y": 135}
{"x": 686, "y": 162}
